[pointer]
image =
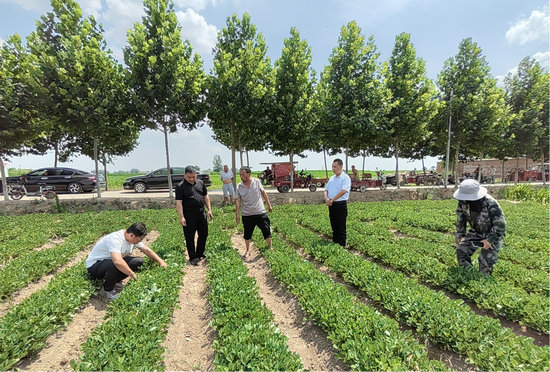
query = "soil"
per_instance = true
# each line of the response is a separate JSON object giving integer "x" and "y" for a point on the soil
{"x": 190, "y": 337}
{"x": 304, "y": 337}
{"x": 64, "y": 345}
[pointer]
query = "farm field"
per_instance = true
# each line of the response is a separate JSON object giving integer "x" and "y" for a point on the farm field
{"x": 392, "y": 300}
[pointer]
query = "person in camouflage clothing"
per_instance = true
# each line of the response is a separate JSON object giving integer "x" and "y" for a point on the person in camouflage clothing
{"x": 487, "y": 226}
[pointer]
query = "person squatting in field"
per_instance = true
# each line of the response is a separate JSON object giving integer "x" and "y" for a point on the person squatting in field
{"x": 110, "y": 259}
{"x": 249, "y": 203}
{"x": 191, "y": 199}
{"x": 487, "y": 226}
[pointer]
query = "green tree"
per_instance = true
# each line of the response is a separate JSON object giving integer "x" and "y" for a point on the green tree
{"x": 354, "y": 98}
{"x": 412, "y": 103}
{"x": 240, "y": 89}
{"x": 20, "y": 124}
{"x": 293, "y": 111}
{"x": 477, "y": 109}
{"x": 48, "y": 44}
{"x": 166, "y": 77}
{"x": 527, "y": 97}
{"x": 217, "y": 165}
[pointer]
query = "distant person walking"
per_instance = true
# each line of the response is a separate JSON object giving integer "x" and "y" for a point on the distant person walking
{"x": 110, "y": 259}
{"x": 487, "y": 226}
{"x": 191, "y": 200}
{"x": 227, "y": 180}
{"x": 249, "y": 203}
{"x": 336, "y": 197}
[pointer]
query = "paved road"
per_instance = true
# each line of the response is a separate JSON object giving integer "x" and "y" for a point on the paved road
{"x": 126, "y": 194}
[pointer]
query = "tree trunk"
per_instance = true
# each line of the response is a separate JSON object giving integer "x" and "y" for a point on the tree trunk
{"x": 4, "y": 183}
{"x": 543, "y": 167}
{"x": 503, "y": 175}
{"x": 480, "y": 168}
{"x": 170, "y": 191}
{"x": 96, "y": 162}
{"x": 423, "y": 167}
{"x": 241, "y": 155}
{"x": 105, "y": 171}
{"x": 347, "y": 152}
{"x": 325, "y": 157}
{"x": 292, "y": 171}
{"x": 364, "y": 157}
{"x": 233, "y": 150}
{"x": 397, "y": 162}
{"x": 517, "y": 170}
{"x": 56, "y": 154}
{"x": 247, "y": 159}
{"x": 455, "y": 165}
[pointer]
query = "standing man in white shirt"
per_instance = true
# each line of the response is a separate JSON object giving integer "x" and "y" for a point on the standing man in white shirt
{"x": 227, "y": 187}
{"x": 336, "y": 197}
{"x": 110, "y": 258}
{"x": 249, "y": 197}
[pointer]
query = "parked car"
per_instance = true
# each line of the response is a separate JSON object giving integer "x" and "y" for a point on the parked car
{"x": 62, "y": 179}
{"x": 158, "y": 179}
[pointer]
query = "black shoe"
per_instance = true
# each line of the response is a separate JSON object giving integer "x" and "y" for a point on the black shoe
{"x": 195, "y": 262}
{"x": 202, "y": 258}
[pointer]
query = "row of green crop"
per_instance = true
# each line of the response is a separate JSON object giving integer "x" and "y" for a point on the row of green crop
{"x": 428, "y": 244}
{"x": 512, "y": 251}
{"x": 365, "y": 339}
{"x": 448, "y": 323}
{"x": 527, "y": 223}
{"x": 487, "y": 292}
{"x": 535, "y": 281}
{"x": 131, "y": 337}
{"x": 247, "y": 339}
{"x": 34, "y": 264}
{"x": 21, "y": 234}
{"x": 27, "y": 326}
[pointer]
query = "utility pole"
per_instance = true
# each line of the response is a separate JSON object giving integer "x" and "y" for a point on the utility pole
{"x": 448, "y": 143}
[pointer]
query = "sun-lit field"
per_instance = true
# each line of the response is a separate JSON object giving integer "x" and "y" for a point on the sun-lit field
{"x": 392, "y": 300}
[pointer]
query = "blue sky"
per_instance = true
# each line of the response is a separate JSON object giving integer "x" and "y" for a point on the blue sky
{"x": 506, "y": 30}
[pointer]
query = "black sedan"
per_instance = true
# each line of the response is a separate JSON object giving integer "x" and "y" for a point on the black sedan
{"x": 70, "y": 180}
{"x": 158, "y": 179}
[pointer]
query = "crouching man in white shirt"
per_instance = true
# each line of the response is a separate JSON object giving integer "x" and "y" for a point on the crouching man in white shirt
{"x": 110, "y": 259}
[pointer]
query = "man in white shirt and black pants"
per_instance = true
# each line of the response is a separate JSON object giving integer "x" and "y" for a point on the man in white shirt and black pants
{"x": 336, "y": 197}
{"x": 110, "y": 259}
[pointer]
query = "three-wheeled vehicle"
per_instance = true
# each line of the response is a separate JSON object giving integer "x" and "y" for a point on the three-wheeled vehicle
{"x": 280, "y": 177}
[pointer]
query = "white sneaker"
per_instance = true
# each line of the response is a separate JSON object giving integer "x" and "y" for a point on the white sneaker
{"x": 108, "y": 295}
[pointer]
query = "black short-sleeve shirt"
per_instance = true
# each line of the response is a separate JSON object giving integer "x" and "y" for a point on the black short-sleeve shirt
{"x": 192, "y": 196}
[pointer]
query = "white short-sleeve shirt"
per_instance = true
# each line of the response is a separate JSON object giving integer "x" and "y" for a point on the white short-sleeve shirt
{"x": 114, "y": 242}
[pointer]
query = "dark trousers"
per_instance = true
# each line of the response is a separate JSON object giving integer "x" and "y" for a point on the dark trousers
{"x": 106, "y": 269}
{"x": 338, "y": 214}
{"x": 196, "y": 223}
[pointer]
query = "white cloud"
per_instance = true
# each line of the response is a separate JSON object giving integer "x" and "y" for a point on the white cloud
{"x": 534, "y": 28}
{"x": 196, "y": 4}
{"x": 39, "y": 6}
{"x": 543, "y": 58}
{"x": 90, "y": 7}
{"x": 203, "y": 36}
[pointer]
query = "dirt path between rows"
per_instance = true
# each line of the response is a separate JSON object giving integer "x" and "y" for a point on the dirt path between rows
{"x": 64, "y": 345}
{"x": 305, "y": 338}
{"x": 190, "y": 337}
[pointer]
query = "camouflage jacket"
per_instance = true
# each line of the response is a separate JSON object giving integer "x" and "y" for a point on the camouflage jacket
{"x": 489, "y": 223}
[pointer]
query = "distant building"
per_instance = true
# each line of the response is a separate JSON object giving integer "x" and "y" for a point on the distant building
{"x": 486, "y": 164}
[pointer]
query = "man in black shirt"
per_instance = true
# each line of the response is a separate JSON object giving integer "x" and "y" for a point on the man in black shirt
{"x": 191, "y": 199}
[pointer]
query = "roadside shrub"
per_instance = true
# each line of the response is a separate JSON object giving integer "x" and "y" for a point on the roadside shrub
{"x": 527, "y": 192}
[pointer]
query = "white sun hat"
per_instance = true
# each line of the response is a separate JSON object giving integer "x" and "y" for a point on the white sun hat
{"x": 470, "y": 190}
